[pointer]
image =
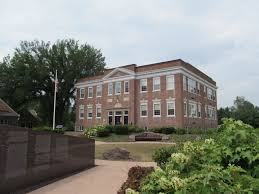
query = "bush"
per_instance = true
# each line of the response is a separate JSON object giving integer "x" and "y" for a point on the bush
{"x": 135, "y": 129}
{"x": 164, "y": 130}
{"x": 49, "y": 129}
{"x": 180, "y": 131}
{"x": 97, "y": 131}
{"x": 121, "y": 129}
{"x": 162, "y": 155}
{"x": 196, "y": 131}
{"x": 228, "y": 163}
{"x": 135, "y": 176}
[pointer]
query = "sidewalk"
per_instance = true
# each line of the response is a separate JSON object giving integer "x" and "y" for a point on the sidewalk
{"x": 105, "y": 178}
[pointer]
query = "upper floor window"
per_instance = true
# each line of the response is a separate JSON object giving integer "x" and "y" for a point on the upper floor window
{"x": 156, "y": 109}
{"x": 110, "y": 89}
{"x": 98, "y": 111}
{"x": 211, "y": 94}
{"x": 184, "y": 83}
{"x": 199, "y": 110}
{"x": 170, "y": 108}
{"x": 99, "y": 91}
{"x": 117, "y": 87}
{"x": 82, "y": 93}
{"x": 126, "y": 87}
{"x": 90, "y": 92}
{"x": 170, "y": 82}
{"x": 81, "y": 111}
{"x": 143, "y": 109}
{"x": 185, "y": 109}
{"x": 89, "y": 111}
{"x": 192, "y": 109}
{"x": 156, "y": 84}
{"x": 192, "y": 86}
{"x": 211, "y": 113}
{"x": 143, "y": 85}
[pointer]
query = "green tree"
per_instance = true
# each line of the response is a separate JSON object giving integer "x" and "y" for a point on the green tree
{"x": 224, "y": 113}
{"x": 28, "y": 75}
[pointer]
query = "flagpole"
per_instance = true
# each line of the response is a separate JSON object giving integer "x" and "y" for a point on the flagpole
{"x": 55, "y": 96}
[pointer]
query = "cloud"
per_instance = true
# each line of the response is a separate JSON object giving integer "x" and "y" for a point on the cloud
{"x": 219, "y": 37}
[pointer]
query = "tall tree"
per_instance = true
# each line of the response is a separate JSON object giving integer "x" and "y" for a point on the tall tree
{"x": 28, "y": 75}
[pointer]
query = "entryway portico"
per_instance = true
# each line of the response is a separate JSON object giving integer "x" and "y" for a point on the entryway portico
{"x": 118, "y": 116}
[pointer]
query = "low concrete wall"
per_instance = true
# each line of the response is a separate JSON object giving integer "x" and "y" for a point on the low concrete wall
{"x": 28, "y": 157}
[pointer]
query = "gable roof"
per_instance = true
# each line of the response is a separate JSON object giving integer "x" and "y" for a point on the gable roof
{"x": 6, "y": 110}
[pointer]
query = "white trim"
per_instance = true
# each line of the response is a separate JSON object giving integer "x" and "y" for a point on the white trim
{"x": 81, "y": 107}
{"x": 111, "y": 83}
{"x": 126, "y": 81}
{"x": 156, "y": 78}
{"x": 119, "y": 69}
{"x": 154, "y": 109}
{"x": 149, "y": 74}
{"x": 115, "y": 88}
{"x": 89, "y": 92}
{"x": 170, "y": 76}
{"x": 100, "y": 91}
{"x": 141, "y": 104}
{"x": 81, "y": 93}
{"x": 98, "y": 106}
{"x": 168, "y": 102}
{"x": 140, "y": 86}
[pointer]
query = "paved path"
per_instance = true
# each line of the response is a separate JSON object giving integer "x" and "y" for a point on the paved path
{"x": 134, "y": 142}
{"x": 106, "y": 178}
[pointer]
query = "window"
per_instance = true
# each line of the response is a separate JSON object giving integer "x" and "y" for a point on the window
{"x": 90, "y": 112}
{"x": 211, "y": 113}
{"x": 81, "y": 128}
{"x": 192, "y": 109}
{"x": 184, "y": 83}
{"x": 170, "y": 82}
{"x": 126, "y": 117}
{"x": 156, "y": 109}
{"x": 110, "y": 85}
{"x": 98, "y": 111}
{"x": 90, "y": 92}
{"x": 192, "y": 86}
{"x": 117, "y": 87}
{"x": 99, "y": 91}
{"x": 198, "y": 88}
{"x": 156, "y": 83}
{"x": 143, "y": 109}
{"x": 206, "y": 111}
{"x": 204, "y": 89}
{"x": 82, "y": 93}
{"x": 81, "y": 111}
{"x": 170, "y": 108}
{"x": 199, "y": 110}
{"x": 110, "y": 117}
{"x": 185, "y": 109}
{"x": 211, "y": 94}
{"x": 126, "y": 87}
{"x": 143, "y": 85}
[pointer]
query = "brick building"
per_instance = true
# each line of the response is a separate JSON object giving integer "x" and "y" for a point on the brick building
{"x": 171, "y": 93}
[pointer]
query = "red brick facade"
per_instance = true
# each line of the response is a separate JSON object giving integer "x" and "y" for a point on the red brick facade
{"x": 186, "y": 97}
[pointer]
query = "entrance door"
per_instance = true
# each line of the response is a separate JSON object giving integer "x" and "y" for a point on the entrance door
{"x": 118, "y": 115}
{"x": 126, "y": 117}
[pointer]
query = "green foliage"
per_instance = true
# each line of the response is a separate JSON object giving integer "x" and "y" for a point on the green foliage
{"x": 164, "y": 130}
{"x": 27, "y": 77}
{"x": 180, "y": 131}
{"x": 48, "y": 129}
{"x": 121, "y": 129}
{"x": 227, "y": 164}
{"x": 162, "y": 155}
{"x": 97, "y": 131}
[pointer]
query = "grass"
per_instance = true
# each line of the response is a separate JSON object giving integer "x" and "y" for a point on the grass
{"x": 113, "y": 138}
{"x": 140, "y": 152}
{"x": 178, "y": 139}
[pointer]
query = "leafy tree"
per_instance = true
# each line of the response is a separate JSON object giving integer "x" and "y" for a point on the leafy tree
{"x": 28, "y": 75}
{"x": 224, "y": 113}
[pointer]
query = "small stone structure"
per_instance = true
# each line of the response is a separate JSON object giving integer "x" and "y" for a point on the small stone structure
{"x": 148, "y": 136}
{"x": 117, "y": 154}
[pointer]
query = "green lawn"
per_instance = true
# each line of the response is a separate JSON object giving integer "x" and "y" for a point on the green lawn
{"x": 139, "y": 151}
{"x": 113, "y": 138}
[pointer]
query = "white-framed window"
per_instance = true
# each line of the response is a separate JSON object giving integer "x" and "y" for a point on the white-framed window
{"x": 156, "y": 84}
{"x": 117, "y": 88}
{"x": 192, "y": 86}
{"x": 185, "y": 110}
{"x": 98, "y": 111}
{"x": 126, "y": 87}
{"x": 156, "y": 109}
{"x": 143, "y": 85}
{"x": 211, "y": 113}
{"x": 206, "y": 111}
{"x": 192, "y": 109}
{"x": 99, "y": 91}
{"x": 82, "y": 93}
{"x": 89, "y": 112}
{"x": 198, "y": 88}
{"x": 170, "y": 82}
{"x": 204, "y": 89}
{"x": 170, "y": 108}
{"x": 184, "y": 83}
{"x": 110, "y": 89}
{"x": 90, "y": 92}
{"x": 143, "y": 110}
{"x": 199, "y": 110}
{"x": 81, "y": 111}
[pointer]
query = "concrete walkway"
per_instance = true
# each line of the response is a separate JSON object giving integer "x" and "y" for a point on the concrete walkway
{"x": 105, "y": 178}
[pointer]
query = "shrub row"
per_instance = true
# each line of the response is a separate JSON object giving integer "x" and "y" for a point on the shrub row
{"x": 181, "y": 131}
{"x": 48, "y": 129}
{"x": 106, "y": 130}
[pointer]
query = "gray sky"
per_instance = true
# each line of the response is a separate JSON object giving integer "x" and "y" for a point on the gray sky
{"x": 219, "y": 37}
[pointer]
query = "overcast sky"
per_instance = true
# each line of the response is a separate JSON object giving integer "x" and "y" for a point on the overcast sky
{"x": 219, "y": 37}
